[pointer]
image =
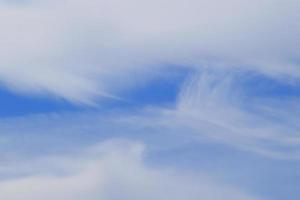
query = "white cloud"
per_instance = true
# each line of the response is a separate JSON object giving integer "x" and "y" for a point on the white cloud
{"x": 210, "y": 106}
{"x": 80, "y": 50}
{"x": 111, "y": 171}
{"x": 213, "y": 105}
{"x": 117, "y": 170}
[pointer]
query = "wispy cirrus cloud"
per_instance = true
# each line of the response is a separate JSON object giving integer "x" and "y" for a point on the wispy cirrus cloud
{"x": 217, "y": 105}
{"x": 82, "y": 50}
{"x": 58, "y": 153}
{"x": 79, "y": 51}
{"x": 111, "y": 170}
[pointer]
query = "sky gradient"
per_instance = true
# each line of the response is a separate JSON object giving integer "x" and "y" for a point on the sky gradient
{"x": 149, "y": 100}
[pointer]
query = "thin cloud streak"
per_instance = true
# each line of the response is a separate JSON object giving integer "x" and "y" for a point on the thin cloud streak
{"x": 80, "y": 50}
{"x": 212, "y": 104}
{"x": 111, "y": 170}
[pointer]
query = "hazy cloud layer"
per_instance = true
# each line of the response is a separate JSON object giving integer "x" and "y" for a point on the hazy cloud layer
{"x": 84, "y": 50}
{"x": 216, "y": 105}
{"x": 55, "y": 156}
{"x": 112, "y": 170}
{"x": 80, "y": 50}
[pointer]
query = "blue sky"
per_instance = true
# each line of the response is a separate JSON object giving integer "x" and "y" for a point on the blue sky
{"x": 130, "y": 100}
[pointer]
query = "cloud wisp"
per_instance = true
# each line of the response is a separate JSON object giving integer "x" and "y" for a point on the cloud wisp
{"x": 215, "y": 105}
{"x": 57, "y": 154}
{"x": 80, "y": 50}
{"x": 111, "y": 170}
